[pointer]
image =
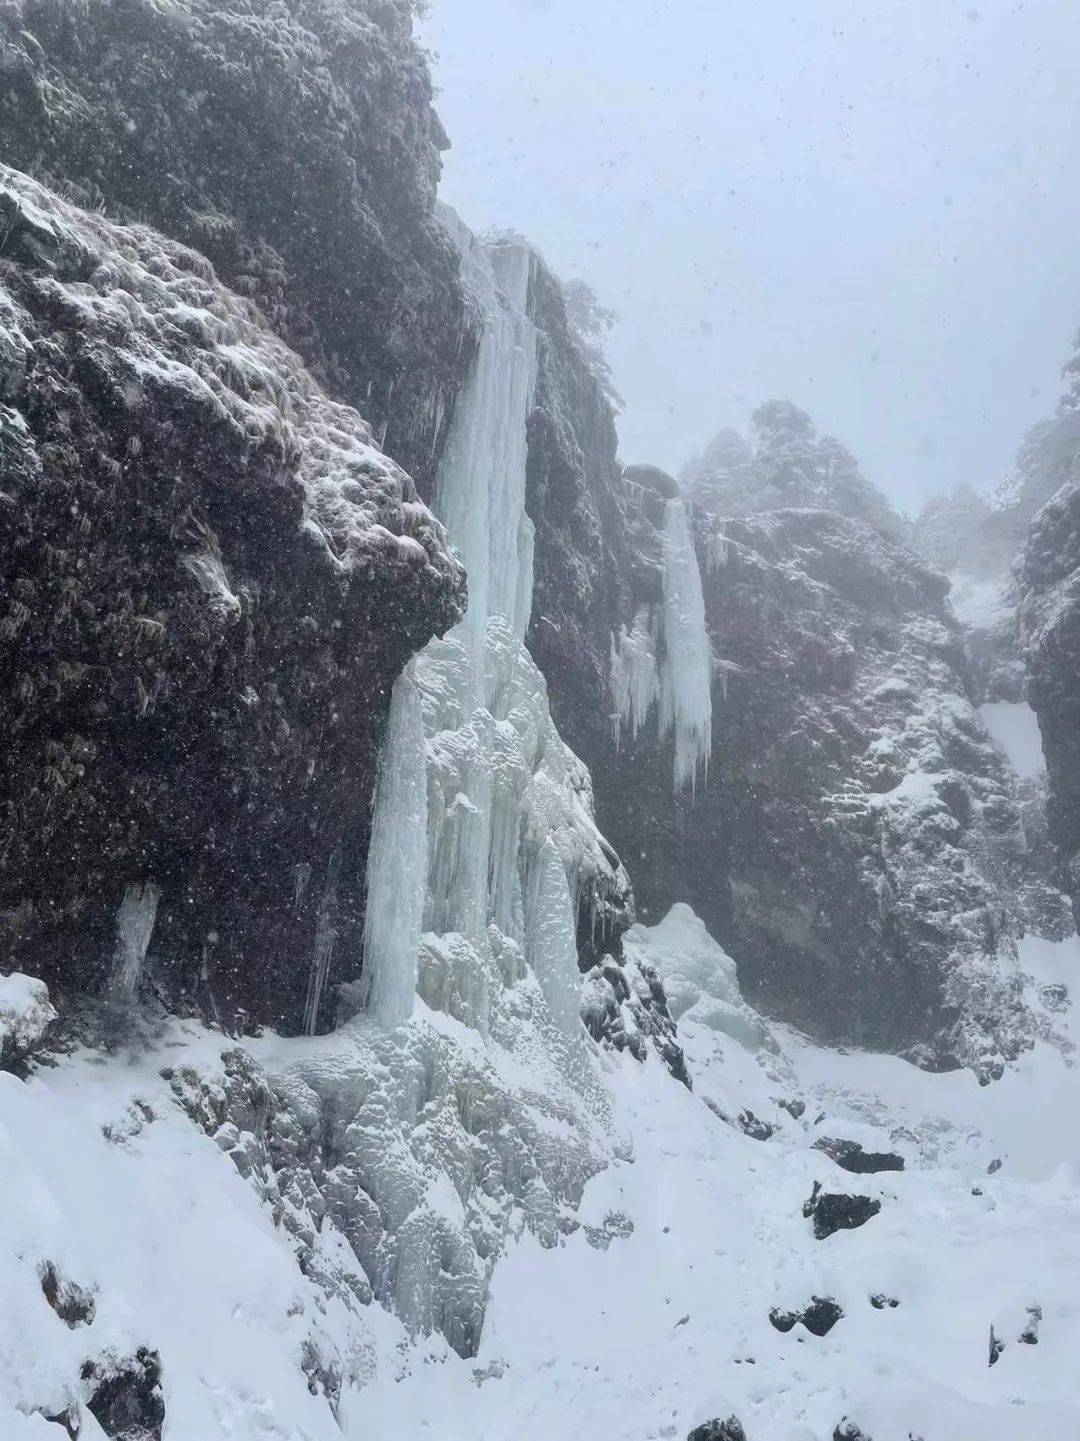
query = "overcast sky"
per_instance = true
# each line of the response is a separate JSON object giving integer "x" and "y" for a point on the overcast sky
{"x": 870, "y": 209}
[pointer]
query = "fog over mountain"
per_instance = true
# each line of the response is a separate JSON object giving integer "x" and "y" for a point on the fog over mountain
{"x": 867, "y": 208}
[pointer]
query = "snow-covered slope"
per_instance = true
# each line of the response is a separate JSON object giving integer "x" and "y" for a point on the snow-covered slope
{"x": 641, "y": 1316}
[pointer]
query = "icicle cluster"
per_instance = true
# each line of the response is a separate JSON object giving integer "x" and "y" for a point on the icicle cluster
{"x": 665, "y": 660}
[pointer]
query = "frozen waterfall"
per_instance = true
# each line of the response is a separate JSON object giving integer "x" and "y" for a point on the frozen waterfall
{"x": 482, "y": 840}
{"x": 509, "y": 832}
{"x": 134, "y": 928}
{"x": 686, "y": 682}
{"x": 664, "y": 660}
{"x": 397, "y": 863}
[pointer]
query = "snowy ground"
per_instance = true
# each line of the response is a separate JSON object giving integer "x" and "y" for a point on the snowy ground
{"x": 1015, "y": 729}
{"x": 666, "y": 1327}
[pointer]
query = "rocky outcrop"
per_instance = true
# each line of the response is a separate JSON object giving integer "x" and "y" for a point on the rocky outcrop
{"x": 785, "y": 465}
{"x": 293, "y": 145}
{"x": 858, "y": 845}
{"x": 210, "y": 577}
{"x": 1049, "y": 578}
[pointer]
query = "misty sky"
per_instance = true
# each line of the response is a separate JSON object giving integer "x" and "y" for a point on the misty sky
{"x": 871, "y": 209}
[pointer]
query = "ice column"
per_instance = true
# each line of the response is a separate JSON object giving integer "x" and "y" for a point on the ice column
{"x": 686, "y": 682}
{"x": 397, "y": 862}
{"x": 134, "y": 927}
{"x": 480, "y": 495}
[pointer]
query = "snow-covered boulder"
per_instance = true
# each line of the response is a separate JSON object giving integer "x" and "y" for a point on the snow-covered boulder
{"x": 26, "y": 1013}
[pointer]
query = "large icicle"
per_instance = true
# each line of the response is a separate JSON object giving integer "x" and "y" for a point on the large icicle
{"x": 134, "y": 928}
{"x": 664, "y": 660}
{"x": 686, "y": 689}
{"x": 397, "y": 863}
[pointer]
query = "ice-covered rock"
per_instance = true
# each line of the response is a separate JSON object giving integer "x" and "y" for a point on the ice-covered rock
{"x": 212, "y": 576}
{"x": 26, "y": 1013}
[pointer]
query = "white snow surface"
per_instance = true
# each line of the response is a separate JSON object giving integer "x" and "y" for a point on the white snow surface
{"x": 649, "y": 1318}
{"x": 1014, "y": 727}
{"x": 979, "y": 603}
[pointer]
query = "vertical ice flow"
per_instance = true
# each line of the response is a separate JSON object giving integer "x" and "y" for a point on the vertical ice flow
{"x": 134, "y": 928}
{"x": 665, "y": 660}
{"x": 397, "y": 862}
{"x": 686, "y": 689}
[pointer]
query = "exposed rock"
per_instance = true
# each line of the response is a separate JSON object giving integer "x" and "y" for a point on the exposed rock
{"x": 295, "y": 146}
{"x": 751, "y": 1126}
{"x": 72, "y": 1303}
{"x": 1049, "y": 578}
{"x": 729, "y": 1430}
{"x": 26, "y": 1013}
{"x": 125, "y": 1397}
{"x": 880, "y": 1301}
{"x": 996, "y": 1348}
{"x": 624, "y": 1006}
{"x": 819, "y": 1317}
{"x": 213, "y": 577}
{"x": 1029, "y": 1336}
{"x": 850, "y": 1156}
{"x": 833, "y": 1211}
{"x": 848, "y": 1431}
{"x": 858, "y": 847}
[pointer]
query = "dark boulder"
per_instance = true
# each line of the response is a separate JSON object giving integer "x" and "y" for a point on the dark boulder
{"x": 834, "y": 1211}
{"x": 74, "y": 1304}
{"x": 850, "y": 1156}
{"x": 819, "y": 1317}
{"x": 729, "y": 1430}
{"x": 125, "y": 1397}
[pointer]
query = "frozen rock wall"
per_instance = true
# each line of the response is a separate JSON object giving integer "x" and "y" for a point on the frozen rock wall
{"x": 210, "y": 578}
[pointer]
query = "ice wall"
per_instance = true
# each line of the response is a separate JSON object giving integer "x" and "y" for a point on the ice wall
{"x": 397, "y": 863}
{"x": 664, "y": 660}
{"x": 134, "y": 928}
{"x": 484, "y": 853}
{"x": 686, "y": 681}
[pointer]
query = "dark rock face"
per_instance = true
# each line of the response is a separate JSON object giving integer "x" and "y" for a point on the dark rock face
{"x": 1048, "y": 574}
{"x": 878, "y": 835}
{"x": 72, "y": 1303}
{"x": 858, "y": 846}
{"x": 624, "y": 1006}
{"x": 848, "y": 1431}
{"x": 850, "y": 1156}
{"x": 729, "y": 1430}
{"x": 832, "y": 1211}
{"x": 819, "y": 1317}
{"x": 295, "y": 146}
{"x": 591, "y": 557}
{"x": 210, "y": 577}
{"x": 125, "y": 1395}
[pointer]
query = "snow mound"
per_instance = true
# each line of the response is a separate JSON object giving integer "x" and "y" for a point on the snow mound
{"x": 26, "y": 1013}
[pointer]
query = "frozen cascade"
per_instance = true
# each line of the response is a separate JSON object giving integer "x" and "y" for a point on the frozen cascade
{"x": 635, "y": 674}
{"x": 483, "y": 848}
{"x": 686, "y": 690}
{"x": 665, "y": 660}
{"x": 134, "y": 928}
{"x": 397, "y": 863}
